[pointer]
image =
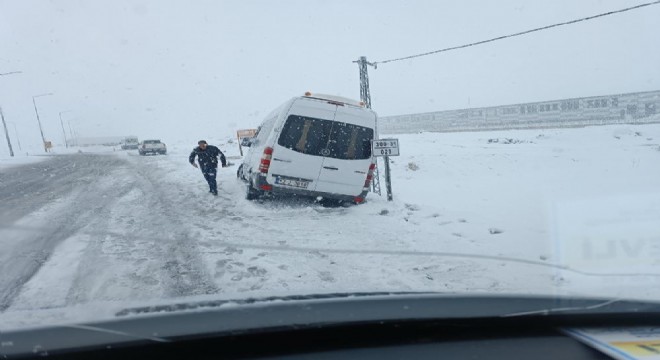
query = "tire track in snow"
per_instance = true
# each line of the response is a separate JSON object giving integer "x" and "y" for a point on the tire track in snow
{"x": 25, "y": 188}
{"x": 144, "y": 248}
{"x": 184, "y": 271}
{"x": 91, "y": 280}
{"x": 135, "y": 244}
{"x": 59, "y": 209}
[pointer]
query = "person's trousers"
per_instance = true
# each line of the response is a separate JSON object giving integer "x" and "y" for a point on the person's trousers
{"x": 209, "y": 175}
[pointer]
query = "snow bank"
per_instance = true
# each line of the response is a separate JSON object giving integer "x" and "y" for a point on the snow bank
{"x": 7, "y": 161}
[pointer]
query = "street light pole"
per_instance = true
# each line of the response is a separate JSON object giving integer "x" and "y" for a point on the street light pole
{"x": 71, "y": 133}
{"x": 4, "y": 124}
{"x": 66, "y": 143}
{"x": 41, "y": 129}
{"x": 18, "y": 139}
{"x": 75, "y": 133}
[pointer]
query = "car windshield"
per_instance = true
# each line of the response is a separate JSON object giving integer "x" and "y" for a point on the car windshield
{"x": 452, "y": 147}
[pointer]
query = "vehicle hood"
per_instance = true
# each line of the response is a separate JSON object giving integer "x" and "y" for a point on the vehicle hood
{"x": 165, "y": 323}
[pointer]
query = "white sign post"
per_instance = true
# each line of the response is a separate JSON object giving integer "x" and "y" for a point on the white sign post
{"x": 386, "y": 148}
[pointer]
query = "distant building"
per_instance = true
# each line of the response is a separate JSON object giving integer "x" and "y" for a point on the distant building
{"x": 596, "y": 110}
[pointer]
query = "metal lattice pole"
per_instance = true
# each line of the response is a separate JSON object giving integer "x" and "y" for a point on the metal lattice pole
{"x": 365, "y": 96}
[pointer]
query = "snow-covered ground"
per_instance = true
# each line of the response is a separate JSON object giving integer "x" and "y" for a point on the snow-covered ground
{"x": 570, "y": 211}
{"x": 23, "y": 158}
{"x": 19, "y": 159}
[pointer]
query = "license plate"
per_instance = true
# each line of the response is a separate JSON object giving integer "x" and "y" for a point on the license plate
{"x": 292, "y": 183}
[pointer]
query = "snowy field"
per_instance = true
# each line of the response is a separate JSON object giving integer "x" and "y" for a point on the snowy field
{"x": 570, "y": 212}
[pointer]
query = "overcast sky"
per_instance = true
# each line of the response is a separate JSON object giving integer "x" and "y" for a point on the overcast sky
{"x": 182, "y": 70}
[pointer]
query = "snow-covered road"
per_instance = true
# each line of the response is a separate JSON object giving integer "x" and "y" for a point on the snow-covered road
{"x": 470, "y": 215}
{"x": 128, "y": 230}
{"x": 83, "y": 228}
{"x": 111, "y": 223}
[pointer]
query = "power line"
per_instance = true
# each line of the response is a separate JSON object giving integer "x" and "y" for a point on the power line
{"x": 520, "y": 33}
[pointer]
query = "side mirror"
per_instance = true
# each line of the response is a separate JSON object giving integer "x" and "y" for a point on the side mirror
{"x": 247, "y": 142}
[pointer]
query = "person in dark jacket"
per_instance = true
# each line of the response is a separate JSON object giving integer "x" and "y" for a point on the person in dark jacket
{"x": 207, "y": 157}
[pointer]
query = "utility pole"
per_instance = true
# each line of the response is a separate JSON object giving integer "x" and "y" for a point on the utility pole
{"x": 66, "y": 143}
{"x": 365, "y": 96}
{"x": 4, "y": 124}
{"x": 41, "y": 129}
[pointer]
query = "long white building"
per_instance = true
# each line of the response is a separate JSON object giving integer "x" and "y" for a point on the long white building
{"x": 596, "y": 110}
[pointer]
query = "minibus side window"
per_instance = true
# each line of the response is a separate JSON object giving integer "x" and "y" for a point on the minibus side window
{"x": 350, "y": 142}
{"x": 305, "y": 135}
{"x": 325, "y": 137}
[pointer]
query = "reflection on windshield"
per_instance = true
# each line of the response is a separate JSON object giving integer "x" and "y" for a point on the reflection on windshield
{"x": 524, "y": 152}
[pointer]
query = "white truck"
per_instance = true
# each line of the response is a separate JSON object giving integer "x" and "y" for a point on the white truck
{"x": 152, "y": 147}
{"x": 130, "y": 143}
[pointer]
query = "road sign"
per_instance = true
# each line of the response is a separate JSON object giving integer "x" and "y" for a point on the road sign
{"x": 246, "y": 133}
{"x": 385, "y": 147}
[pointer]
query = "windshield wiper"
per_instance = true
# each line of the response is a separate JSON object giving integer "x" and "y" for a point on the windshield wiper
{"x": 116, "y": 332}
{"x": 249, "y": 301}
{"x": 580, "y": 309}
